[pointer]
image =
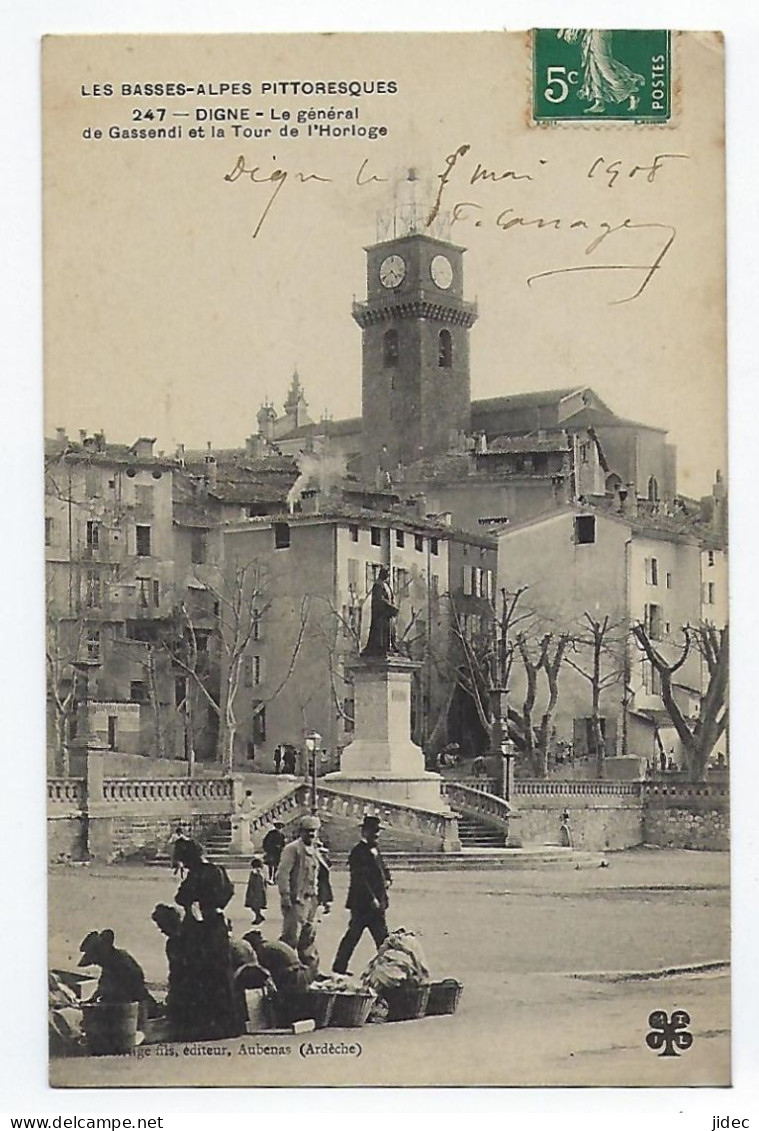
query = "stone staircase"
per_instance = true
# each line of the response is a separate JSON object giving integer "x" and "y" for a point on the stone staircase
{"x": 475, "y": 834}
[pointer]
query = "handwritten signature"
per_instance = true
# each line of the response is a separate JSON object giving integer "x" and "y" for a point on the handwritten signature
{"x": 458, "y": 165}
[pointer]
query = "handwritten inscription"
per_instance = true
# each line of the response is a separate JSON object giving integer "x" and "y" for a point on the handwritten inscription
{"x": 626, "y": 247}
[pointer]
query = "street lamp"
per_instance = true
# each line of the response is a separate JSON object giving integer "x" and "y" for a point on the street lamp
{"x": 313, "y": 742}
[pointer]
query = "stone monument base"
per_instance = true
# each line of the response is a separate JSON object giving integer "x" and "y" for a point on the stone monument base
{"x": 382, "y": 763}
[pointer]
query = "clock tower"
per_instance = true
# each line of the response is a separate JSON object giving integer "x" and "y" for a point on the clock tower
{"x": 415, "y": 349}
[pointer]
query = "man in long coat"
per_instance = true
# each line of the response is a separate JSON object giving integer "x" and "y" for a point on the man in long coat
{"x": 367, "y": 894}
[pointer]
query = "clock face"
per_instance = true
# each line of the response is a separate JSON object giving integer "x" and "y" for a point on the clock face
{"x": 441, "y": 272}
{"x": 392, "y": 271}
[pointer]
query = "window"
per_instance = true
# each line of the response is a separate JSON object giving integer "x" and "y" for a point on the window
{"x": 372, "y": 573}
{"x": 93, "y": 535}
{"x": 144, "y": 498}
{"x": 113, "y": 724}
{"x": 444, "y": 350}
{"x": 198, "y": 546}
{"x": 585, "y": 529}
{"x": 434, "y": 586}
{"x": 710, "y": 558}
{"x": 585, "y": 452}
{"x": 92, "y": 483}
{"x": 400, "y": 580}
{"x": 256, "y": 624}
{"x": 180, "y": 690}
{"x": 652, "y": 621}
{"x": 400, "y": 539}
{"x": 281, "y": 536}
{"x": 669, "y": 581}
{"x": 390, "y": 349}
{"x": 201, "y": 641}
{"x": 353, "y": 533}
{"x": 376, "y": 536}
{"x": 418, "y": 543}
{"x": 93, "y": 645}
{"x": 651, "y": 679}
{"x": 247, "y": 671}
{"x": 467, "y": 581}
{"x": 48, "y": 531}
{"x": 353, "y": 574}
{"x": 433, "y": 546}
{"x": 93, "y": 589}
{"x": 138, "y": 692}
{"x": 143, "y": 541}
{"x": 710, "y": 593}
{"x": 143, "y": 588}
{"x": 652, "y": 571}
{"x": 112, "y": 484}
{"x": 156, "y": 592}
{"x": 259, "y": 723}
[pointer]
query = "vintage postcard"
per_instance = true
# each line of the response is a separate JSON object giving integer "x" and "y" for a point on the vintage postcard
{"x": 386, "y": 553}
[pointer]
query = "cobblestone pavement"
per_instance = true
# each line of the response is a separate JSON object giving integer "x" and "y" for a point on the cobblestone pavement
{"x": 539, "y": 953}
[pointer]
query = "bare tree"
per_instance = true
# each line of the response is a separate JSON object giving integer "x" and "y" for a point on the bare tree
{"x": 700, "y": 735}
{"x": 483, "y": 658}
{"x": 596, "y": 653}
{"x": 64, "y": 643}
{"x": 239, "y": 601}
{"x": 549, "y": 659}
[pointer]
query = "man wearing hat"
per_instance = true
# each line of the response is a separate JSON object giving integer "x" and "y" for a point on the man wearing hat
{"x": 298, "y": 881}
{"x": 367, "y": 894}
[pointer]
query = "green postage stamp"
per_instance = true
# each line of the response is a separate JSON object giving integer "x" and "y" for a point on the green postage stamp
{"x": 583, "y": 73}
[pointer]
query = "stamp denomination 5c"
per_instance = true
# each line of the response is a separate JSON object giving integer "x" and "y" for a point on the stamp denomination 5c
{"x": 587, "y": 74}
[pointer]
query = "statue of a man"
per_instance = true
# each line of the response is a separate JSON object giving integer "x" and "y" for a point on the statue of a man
{"x": 382, "y": 638}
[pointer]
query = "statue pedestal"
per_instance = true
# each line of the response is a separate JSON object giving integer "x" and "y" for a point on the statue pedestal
{"x": 382, "y": 762}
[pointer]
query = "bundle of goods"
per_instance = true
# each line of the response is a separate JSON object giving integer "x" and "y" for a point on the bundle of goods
{"x": 400, "y": 975}
{"x": 64, "y": 1018}
{"x": 352, "y": 1000}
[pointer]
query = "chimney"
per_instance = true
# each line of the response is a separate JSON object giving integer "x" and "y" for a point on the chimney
{"x": 212, "y": 470}
{"x": 310, "y": 501}
{"x": 180, "y": 454}
{"x": 628, "y": 500}
{"x": 60, "y": 435}
{"x": 255, "y": 446}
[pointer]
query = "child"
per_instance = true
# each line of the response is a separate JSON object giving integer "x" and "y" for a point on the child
{"x": 255, "y": 895}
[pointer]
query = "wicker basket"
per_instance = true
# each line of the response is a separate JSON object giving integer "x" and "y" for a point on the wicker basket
{"x": 351, "y": 1010}
{"x": 307, "y": 1005}
{"x": 406, "y": 1003}
{"x": 444, "y": 997}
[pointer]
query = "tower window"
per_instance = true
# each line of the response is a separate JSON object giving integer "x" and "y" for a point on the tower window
{"x": 444, "y": 349}
{"x": 390, "y": 349}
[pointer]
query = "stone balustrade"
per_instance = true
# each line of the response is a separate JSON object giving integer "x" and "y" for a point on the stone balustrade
{"x": 536, "y": 787}
{"x": 432, "y": 830}
{"x": 162, "y": 791}
{"x": 66, "y": 792}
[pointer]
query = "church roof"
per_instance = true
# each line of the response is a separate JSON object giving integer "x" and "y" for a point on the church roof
{"x": 541, "y": 399}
